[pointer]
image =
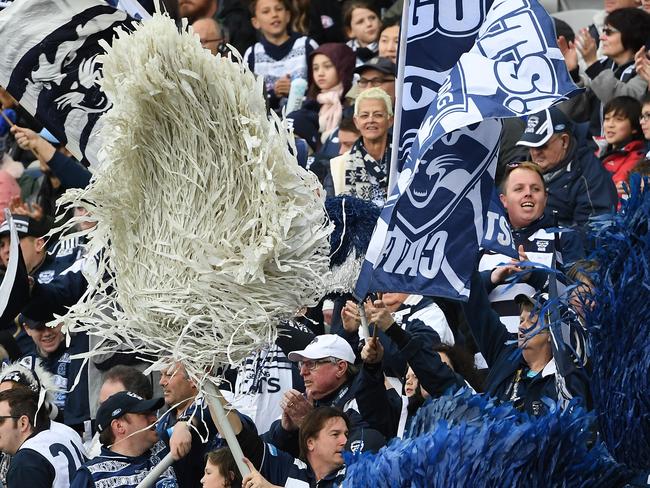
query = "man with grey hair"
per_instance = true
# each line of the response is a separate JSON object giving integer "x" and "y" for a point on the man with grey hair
{"x": 363, "y": 171}
{"x": 210, "y": 34}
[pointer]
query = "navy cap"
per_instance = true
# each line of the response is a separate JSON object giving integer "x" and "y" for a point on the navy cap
{"x": 537, "y": 299}
{"x": 542, "y": 125}
{"x": 26, "y": 226}
{"x": 384, "y": 65}
{"x": 124, "y": 402}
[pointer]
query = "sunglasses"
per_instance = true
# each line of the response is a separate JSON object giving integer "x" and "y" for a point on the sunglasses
{"x": 608, "y": 31}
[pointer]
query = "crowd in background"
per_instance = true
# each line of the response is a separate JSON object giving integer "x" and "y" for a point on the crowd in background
{"x": 320, "y": 389}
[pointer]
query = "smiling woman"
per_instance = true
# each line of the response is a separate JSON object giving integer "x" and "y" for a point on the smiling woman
{"x": 623, "y": 35}
{"x": 363, "y": 171}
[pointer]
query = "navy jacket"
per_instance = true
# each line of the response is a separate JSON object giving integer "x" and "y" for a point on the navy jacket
{"x": 506, "y": 362}
{"x": 112, "y": 469}
{"x": 381, "y": 407}
{"x": 281, "y": 468}
{"x": 580, "y": 187}
{"x": 394, "y": 363}
{"x": 343, "y": 398}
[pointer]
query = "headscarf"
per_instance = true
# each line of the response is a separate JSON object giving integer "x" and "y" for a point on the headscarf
{"x": 331, "y": 110}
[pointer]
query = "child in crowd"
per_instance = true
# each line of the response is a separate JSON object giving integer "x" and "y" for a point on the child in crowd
{"x": 330, "y": 77}
{"x": 280, "y": 55}
{"x": 361, "y": 22}
{"x": 221, "y": 470}
{"x": 389, "y": 41}
{"x": 622, "y": 131}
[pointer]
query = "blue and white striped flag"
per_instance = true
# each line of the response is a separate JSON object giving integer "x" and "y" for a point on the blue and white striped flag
{"x": 50, "y": 65}
{"x": 429, "y": 231}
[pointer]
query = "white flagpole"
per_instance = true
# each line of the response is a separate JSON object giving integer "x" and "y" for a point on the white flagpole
{"x": 397, "y": 120}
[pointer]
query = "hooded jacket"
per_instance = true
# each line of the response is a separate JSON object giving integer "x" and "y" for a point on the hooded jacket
{"x": 619, "y": 162}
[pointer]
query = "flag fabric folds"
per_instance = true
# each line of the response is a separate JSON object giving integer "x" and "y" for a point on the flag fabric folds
{"x": 51, "y": 67}
{"x": 429, "y": 232}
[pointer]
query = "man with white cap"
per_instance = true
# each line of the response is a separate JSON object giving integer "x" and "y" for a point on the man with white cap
{"x": 327, "y": 368}
{"x": 578, "y": 186}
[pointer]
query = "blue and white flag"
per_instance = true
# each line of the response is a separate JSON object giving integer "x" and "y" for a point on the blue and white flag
{"x": 439, "y": 32}
{"x": 428, "y": 234}
{"x": 50, "y": 65}
{"x": 131, "y": 7}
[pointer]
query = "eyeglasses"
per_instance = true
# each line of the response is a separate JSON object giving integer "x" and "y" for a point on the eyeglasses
{"x": 645, "y": 117}
{"x": 363, "y": 82}
{"x": 313, "y": 365}
{"x": 363, "y": 116}
{"x": 608, "y": 31}
{"x": 4, "y": 417}
{"x": 216, "y": 39}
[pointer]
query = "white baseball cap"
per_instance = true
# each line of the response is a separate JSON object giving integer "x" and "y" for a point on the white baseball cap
{"x": 324, "y": 346}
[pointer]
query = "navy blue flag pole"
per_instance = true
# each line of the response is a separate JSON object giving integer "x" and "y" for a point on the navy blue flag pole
{"x": 51, "y": 65}
{"x": 429, "y": 232}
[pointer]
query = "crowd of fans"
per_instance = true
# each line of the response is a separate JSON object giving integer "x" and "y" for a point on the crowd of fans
{"x": 296, "y": 405}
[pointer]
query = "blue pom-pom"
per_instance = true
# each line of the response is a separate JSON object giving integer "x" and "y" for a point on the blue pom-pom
{"x": 466, "y": 440}
{"x": 354, "y": 220}
{"x": 618, "y": 329}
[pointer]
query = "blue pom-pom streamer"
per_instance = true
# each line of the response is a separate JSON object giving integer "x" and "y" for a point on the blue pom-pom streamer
{"x": 465, "y": 440}
{"x": 354, "y": 220}
{"x": 618, "y": 330}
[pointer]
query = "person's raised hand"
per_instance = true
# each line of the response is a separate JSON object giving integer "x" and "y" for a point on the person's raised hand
{"x": 254, "y": 479}
{"x": 29, "y": 140}
{"x": 350, "y": 317}
{"x": 180, "y": 442}
{"x": 373, "y": 351}
{"x": 282, "y": 86}
{"x": 568, "y": 50}
{"x": 294, "y": 409}
{"x": 642, "y": 64}
{"x": 379, "y": 315}
{"x": 586, "y": 46}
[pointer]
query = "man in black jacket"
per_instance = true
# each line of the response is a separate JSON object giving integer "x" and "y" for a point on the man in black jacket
{"x": 326, "y": 366}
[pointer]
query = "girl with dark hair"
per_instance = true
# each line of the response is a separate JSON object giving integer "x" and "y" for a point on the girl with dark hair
{"x": 622, "y": 131}
{"x": 221, "y": 470}
{"x": 361, "y": 23}
{"x": 330, "y": 78}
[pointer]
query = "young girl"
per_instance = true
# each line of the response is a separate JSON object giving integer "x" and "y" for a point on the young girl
{"x": 330, "y": 77}
{"x": 622, "y": 131}
{"x": 361, "y": 23}
{"x": 221, "y": 470}
{"x": 389, "y": 41}
{"x": 280, "y": 55}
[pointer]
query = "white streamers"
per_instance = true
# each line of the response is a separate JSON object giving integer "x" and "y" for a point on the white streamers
{"x": 209, "y": 229}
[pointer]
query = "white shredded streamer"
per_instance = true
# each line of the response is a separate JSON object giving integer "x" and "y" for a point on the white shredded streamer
{"x": 208, "y": 229}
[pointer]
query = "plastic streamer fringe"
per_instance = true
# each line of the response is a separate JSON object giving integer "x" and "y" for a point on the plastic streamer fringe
{"x": 208, "y": 232}
{"x": 618, "y": 329}
{"x": 465, "y": 440}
